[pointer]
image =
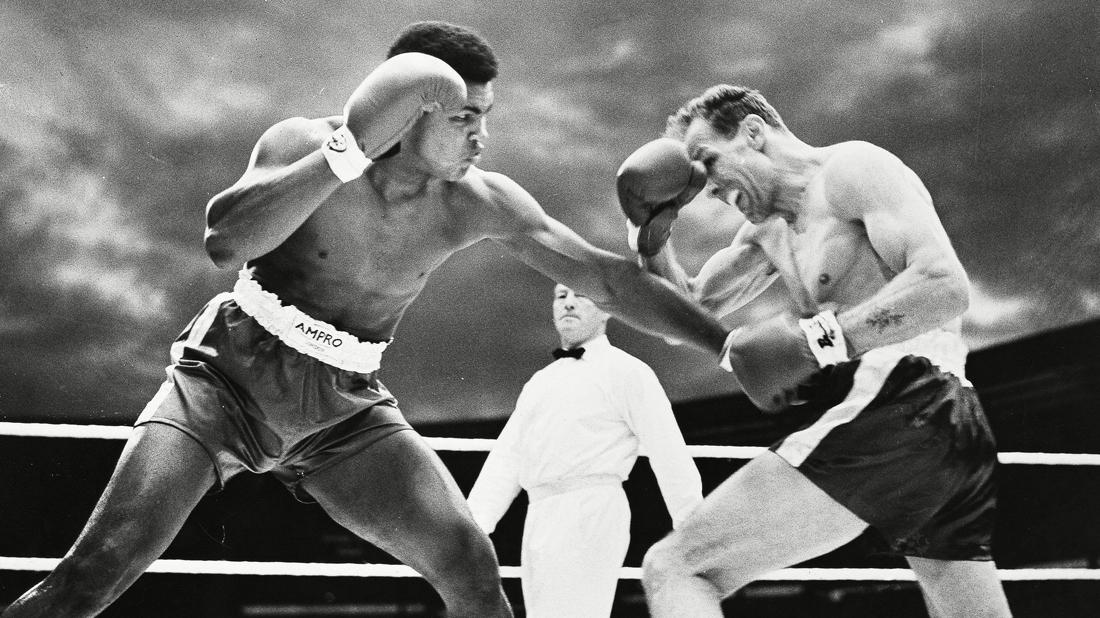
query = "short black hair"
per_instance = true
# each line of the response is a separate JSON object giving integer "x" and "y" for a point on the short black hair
{"x": 466, "y": 51}
{"x": 724, "y": 107}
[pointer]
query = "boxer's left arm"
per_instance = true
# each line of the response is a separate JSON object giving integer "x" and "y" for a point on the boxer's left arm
{"x": 667, "y": 266}
{"x": 735, "y": 275}
{"x": 930, "y": 287}
{"x": 729, "y": 279}
{"x": 618, "y": 285}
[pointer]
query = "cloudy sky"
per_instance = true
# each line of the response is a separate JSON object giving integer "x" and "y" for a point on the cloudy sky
{"x": 120, "y": 119}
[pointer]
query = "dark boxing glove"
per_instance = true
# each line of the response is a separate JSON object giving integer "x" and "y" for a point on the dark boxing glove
{"x": 771, "y": 358}
{"x": 653, "y": 183}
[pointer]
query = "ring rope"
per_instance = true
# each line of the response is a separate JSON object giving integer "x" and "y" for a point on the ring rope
{"x": 122, "y": 432}
{"x": 318, "y": 569}
{"x": 330, "y": 569}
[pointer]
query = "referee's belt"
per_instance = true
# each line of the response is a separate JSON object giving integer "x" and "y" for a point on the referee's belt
{"x": 555, "y": 488}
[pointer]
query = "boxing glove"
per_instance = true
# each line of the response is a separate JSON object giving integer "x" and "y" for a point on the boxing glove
{"x": 653, "y": 183}
{"x": 771, "y": 358}
{"x": 379, "y": 112}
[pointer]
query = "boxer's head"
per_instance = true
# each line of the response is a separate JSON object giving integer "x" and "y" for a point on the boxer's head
{"x": 724, "y": 107}
{"x": 447, "y": 144}
{"x": 576, "y": 317}
{"x": 727, "y": 128}
{"x": 466, "y": 51}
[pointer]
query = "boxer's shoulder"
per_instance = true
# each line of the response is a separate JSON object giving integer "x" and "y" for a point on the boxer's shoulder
{"x": 858, "y": 176}
{"x": 497, "y": 202}
{"x": 483, "y": 187}
{"x": 292, "y": 138}
{"x": 856, "y": 165}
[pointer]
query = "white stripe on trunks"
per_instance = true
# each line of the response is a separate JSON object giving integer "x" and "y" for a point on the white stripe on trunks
{"x": 874, "y": 367}
{"x": 943, "y": 348}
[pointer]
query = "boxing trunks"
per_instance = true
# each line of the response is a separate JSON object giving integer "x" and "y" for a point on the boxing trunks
{"x": 902, "y": 442}
{"x": 293, "y": 398}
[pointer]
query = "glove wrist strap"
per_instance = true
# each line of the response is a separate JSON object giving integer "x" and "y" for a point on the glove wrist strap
{"x": 825, "y": 339}
{"x": 632, "y": 232}
{"x": 344, "y": 157}
{"x": 725, "y": 363}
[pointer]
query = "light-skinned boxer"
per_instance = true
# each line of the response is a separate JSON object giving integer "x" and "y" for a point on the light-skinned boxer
{"x": 872, "y": 347}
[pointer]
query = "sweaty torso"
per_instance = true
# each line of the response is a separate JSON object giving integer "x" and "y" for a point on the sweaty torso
{"x": 825, "y": 260}
{"x": 361, "y": 259}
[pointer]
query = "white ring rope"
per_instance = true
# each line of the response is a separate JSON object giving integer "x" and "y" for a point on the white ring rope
{"x": 121, "y": 432}
{"x": 352, "y": 570}
{"x": 330, "y": 569}
{"x": 322, "y": 569}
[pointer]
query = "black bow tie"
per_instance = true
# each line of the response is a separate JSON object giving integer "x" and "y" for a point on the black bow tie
{"x": 570, "y": 353}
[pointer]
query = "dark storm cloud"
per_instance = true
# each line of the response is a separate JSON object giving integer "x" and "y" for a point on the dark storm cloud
{"x": 123, "y": 118}
{"x": 1004, "y": 126}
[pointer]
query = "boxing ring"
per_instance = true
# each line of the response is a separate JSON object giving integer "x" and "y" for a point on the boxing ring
{"x": 315, "y": 569}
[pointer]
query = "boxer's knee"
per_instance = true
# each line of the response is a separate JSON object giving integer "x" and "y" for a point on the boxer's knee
{"x": 664, "y": 562}
{"x": 469, "y": 576}
{"x": 480, "y": 577}
{"x": 676, "y": 587}
{"x": 83, "y": 583}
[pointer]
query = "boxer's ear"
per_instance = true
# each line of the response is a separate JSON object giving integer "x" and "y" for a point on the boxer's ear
{"x": 753, "y": 128}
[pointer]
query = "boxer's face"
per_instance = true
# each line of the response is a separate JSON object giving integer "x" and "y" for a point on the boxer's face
{"x": 738, "y": 173}
{"x": 447, "y": 142}
{"x": 576, "y": 317}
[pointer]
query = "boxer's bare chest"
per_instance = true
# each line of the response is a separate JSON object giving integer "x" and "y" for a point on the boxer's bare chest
{"x": 825, "y": 262}
{"x": 359, "y": 261}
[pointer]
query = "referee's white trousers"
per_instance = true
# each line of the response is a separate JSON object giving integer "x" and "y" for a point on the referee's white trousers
{"x": 574, "y": 541}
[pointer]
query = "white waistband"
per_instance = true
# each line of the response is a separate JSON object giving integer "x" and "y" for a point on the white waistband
{"x": 307, "y": 335}
{"x": 943, "y": 348}
{"x": 554, "y": 488}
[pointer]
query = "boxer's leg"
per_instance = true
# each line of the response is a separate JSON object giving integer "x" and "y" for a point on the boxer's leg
{"x": 765, "y": 517}
{"x": 398, "y": 495}
{"x": 958, "y": 588}
{"x": 158, "y": 480}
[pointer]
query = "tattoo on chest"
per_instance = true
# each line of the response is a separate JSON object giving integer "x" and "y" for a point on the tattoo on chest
{"x": 884, "y": 318}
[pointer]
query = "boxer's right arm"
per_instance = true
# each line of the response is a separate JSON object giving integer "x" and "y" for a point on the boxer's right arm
{"x": 728, "y": 280}
{"x": 734, "y": 275}
{"x": 286, "y": 180}
{"x": 298, "y": 163}
{"x": 666, "y": 265}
